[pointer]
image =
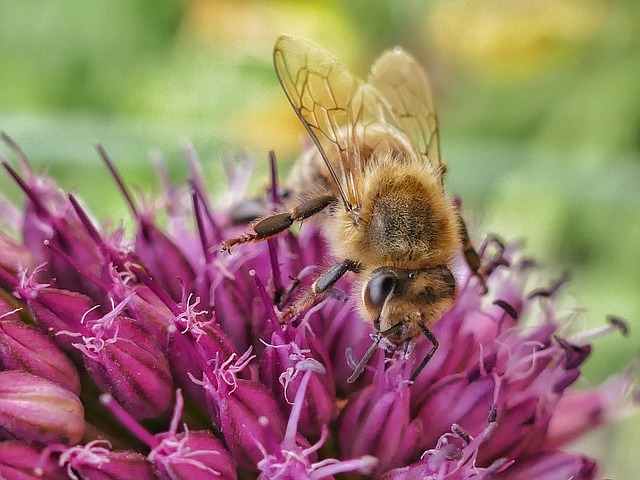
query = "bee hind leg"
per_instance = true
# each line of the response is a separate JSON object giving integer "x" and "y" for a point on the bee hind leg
{"x": 470, "y": 254}
{"x": 279, "y": 222}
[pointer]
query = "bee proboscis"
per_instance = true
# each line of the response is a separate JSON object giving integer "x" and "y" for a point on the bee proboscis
{"x": 378, "y": 175}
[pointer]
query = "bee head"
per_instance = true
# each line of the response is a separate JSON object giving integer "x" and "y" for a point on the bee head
{"x": 398, "y": 300}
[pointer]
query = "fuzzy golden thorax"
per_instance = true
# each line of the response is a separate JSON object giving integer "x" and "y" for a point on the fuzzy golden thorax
{"x": 405, "y": 220}
{"x": 404, "y": 238}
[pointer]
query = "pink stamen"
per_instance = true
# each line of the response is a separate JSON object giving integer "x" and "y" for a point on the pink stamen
{"x": 128, "y": 421}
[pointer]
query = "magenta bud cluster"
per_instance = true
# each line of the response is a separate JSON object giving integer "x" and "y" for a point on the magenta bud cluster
{"x": 156, "y": 356}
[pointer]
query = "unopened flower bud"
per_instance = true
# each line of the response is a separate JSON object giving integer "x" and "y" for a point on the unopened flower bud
{"x": 240, "y": 408}
{"x": 96, "y": 461}
{"x": 21, "y": 461}
{"x": 36, "y": 410}
{"x": 553, "y": 464}
{"x": 57, "y": 311}
{"x": 123, "y": 359}
{"x": 191, "y": 455}
{"x": 24, "y": 348}
{"x": 165, "y": 262}
{"x": 377, "y": 422}
{"x": 282, "y": 367}
{"x": 148, "y": 310}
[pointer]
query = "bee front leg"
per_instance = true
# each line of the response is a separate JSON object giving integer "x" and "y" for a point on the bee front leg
{"x": 323, "y": 283}
{"x": 279, "y": 222}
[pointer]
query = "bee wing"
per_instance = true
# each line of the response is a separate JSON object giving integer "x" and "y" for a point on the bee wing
{"x": 338, "y": 110}
{"x": 401, "y": 81}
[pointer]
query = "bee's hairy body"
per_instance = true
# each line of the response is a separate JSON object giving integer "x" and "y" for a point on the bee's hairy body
{"x": 404, "y": 221}
{"x": 377, "y": 177}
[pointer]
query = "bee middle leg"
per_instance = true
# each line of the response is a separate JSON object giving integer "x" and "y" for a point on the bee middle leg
{"x": 322, "y": 284}
{"x": 279, "y": 222}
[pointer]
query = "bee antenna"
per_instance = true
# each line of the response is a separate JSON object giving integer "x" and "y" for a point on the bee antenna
{"x": 371, "y": 350}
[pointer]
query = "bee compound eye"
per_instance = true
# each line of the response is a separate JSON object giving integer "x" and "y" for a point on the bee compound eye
{"x": 380, "y": 285}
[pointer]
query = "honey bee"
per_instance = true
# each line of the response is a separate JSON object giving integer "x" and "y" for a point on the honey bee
{"x": 378, "y": 175}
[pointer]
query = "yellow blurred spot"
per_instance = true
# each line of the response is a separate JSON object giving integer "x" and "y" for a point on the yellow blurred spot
{"x": 254, "y": 25}
{"x": 272, "y": 125}
{"x": 510, "y": 39}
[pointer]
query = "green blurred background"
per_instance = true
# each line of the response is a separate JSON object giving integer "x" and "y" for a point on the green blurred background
{"x": 539, "y": 106}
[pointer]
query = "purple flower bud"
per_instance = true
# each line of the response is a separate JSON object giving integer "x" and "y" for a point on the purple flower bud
{"x": 456, "y": 400}
{"x": 453, "y": 458}
{"x": 164, "y": 260}
{"x": 234, "y": 297}
{"x": 123, "y": 359}
{"x": 20, "y": 461}
{"x": 240, "y": 409}
{"x": 25, "y": 348}
{"x": 57, "y": 311}
{"x": 191, "y": 455}
{"x": 145, "y": 307}
{"x": 36, "y": 410}
{"x": 551, "y": 465}
{"x": 179, "y": 456}
{"x": 294, "y": 458}
{"x": 193, "y": 340}
{"x": 96, "y": 461}
{"x": 376, "y": 421}
{"x": 291, "y": 352}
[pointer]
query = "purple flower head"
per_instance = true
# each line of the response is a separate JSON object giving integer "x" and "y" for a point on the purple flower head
{"x": 56, "y": 311}
{"x": 142, "y": 304}
{"x": 142, "y": 316}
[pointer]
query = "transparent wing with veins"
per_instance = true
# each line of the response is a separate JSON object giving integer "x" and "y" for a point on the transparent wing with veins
{"x": 405, "y": 87}
{"x": 346, "y": 118}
